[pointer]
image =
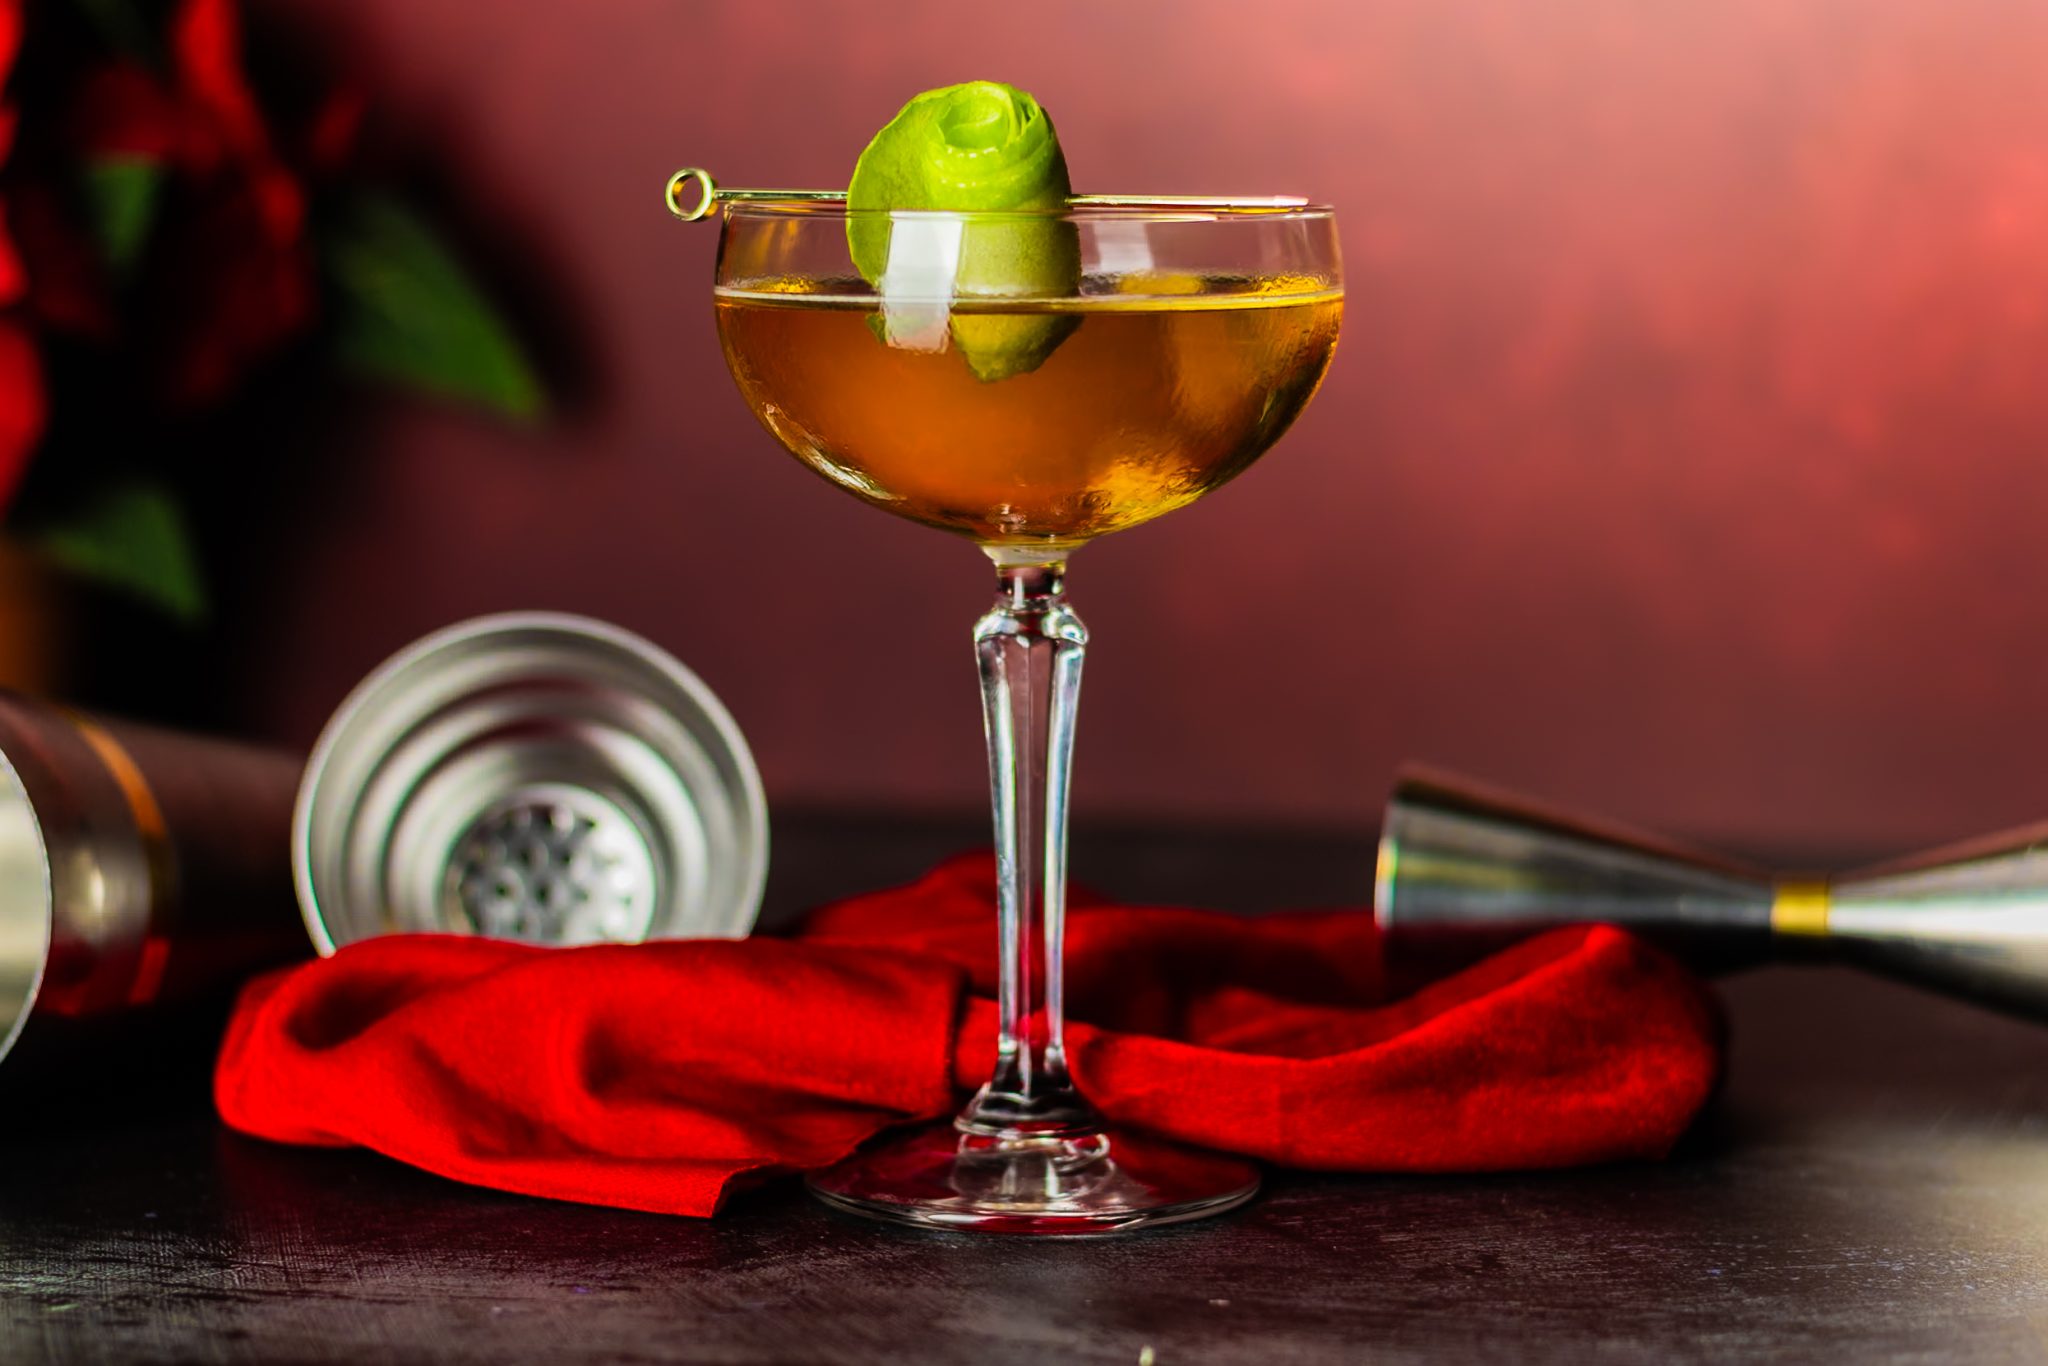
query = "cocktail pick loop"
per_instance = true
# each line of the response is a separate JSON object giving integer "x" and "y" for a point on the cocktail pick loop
{"x": 692, "y": 194}
{"x": 1463, "y": 869}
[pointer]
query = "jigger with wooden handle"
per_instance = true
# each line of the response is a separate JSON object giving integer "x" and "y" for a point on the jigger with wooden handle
{"x": 1464, "y": 869}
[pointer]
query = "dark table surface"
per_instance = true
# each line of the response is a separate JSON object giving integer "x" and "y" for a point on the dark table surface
{"x": 1871, "y": 1187}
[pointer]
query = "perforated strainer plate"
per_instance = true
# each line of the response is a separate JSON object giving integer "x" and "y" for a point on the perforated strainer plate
{"x": 554, "y": 865}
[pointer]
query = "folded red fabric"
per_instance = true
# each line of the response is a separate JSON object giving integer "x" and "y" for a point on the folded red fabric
{"x": 664, "y": 1076}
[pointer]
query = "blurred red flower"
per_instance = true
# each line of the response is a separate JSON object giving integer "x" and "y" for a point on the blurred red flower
{"x": 21, "y": 371}
{"x": 163, "y": 235}
{"x": 229, "y": 272}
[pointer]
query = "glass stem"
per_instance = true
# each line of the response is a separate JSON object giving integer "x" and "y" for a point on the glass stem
{"x": 1030, "y": 646}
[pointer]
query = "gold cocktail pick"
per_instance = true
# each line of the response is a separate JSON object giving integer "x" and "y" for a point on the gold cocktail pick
{"x": 709, "y": 194}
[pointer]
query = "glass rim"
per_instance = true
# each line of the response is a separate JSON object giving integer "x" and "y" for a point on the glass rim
{"x": 800, "y": 205}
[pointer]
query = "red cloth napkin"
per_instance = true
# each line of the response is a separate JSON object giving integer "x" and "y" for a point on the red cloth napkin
{"x": 663, "y": 1076}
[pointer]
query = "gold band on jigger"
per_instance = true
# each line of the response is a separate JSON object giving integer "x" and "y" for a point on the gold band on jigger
{"x": 1800, "y": 908}
{"x": 156, "y": 851}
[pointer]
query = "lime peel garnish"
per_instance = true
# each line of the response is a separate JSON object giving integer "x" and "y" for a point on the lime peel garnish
{"x": 978, "y": 147}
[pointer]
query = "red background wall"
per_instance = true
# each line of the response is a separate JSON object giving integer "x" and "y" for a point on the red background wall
{"x": 1685, "y": 457}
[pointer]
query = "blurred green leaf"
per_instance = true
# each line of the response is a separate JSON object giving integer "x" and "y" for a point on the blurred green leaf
{"x": 129, "y": 534}
{"x": 120, "y": 199}
{"x": 407, "y": 312}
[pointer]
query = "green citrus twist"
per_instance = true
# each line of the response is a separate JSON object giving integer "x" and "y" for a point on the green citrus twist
{"x": 980, "y": 147}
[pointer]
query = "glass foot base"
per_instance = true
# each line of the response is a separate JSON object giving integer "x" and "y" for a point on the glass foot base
{"x": 936, "y": 1178}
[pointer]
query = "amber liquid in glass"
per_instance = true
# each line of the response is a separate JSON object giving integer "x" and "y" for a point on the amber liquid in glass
{"x": 1161, "y": 391}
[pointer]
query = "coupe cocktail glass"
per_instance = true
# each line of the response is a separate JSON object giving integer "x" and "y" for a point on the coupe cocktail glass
{"x": 1195, "y": 332}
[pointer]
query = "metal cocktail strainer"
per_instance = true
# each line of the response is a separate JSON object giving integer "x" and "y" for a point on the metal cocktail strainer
{"x": 530, "y": 776}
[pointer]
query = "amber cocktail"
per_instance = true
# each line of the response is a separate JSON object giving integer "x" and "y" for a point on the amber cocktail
{"x": 1165, "y": 387}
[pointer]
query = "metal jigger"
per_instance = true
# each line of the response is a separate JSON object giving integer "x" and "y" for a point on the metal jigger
{"x": 1464, "y": 870}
